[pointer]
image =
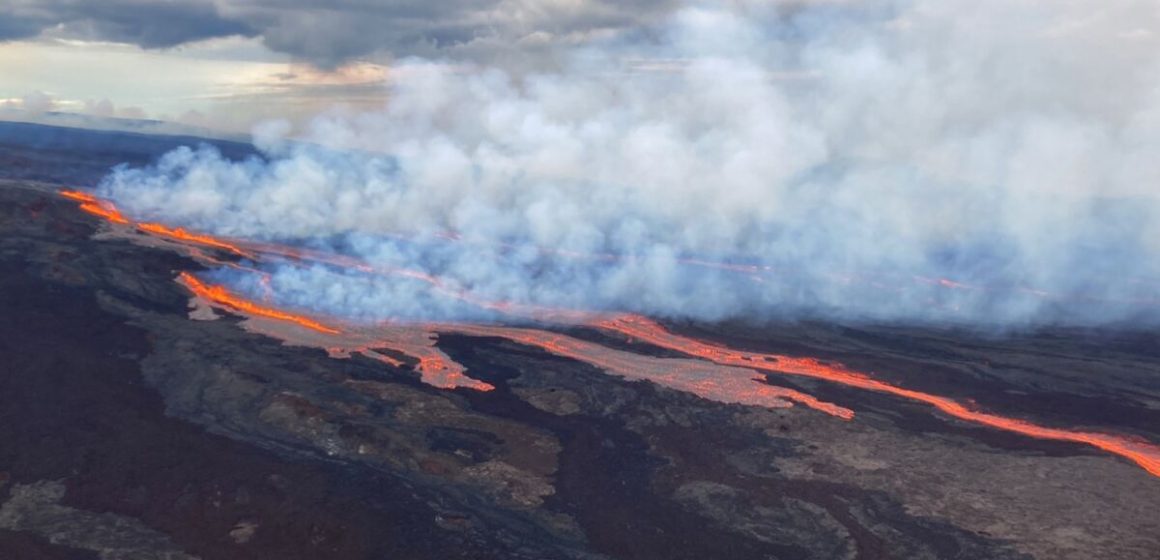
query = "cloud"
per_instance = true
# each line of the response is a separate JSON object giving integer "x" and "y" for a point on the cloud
{"x": 984, "y": 162}
{"x": 99, "y": 108}
{"x": 144, "y": 23}
{"x": 37, "y": 102}
{"x": 21, "y": 26}
{"x": 330, "y": 33}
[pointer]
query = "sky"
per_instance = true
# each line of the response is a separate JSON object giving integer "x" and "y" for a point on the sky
{"x": 227, "y": 83}
{"x": 228, "y": 64}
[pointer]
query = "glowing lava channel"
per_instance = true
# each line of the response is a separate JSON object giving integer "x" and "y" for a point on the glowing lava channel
{"x": 434, "y": 367}
{"x": 222, "y": 296}
{"x": 723, "y": 384}
{"x": 96, "y": 206}
{"x": 709, "y": 381}
{"x": 636, "y": 327}
{"x": 181, "y": 234}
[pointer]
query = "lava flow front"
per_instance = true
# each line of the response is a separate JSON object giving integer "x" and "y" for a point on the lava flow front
{"x": 712, "y": 371}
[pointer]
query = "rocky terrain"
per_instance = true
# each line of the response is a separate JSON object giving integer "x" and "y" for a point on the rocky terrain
{"x": 130, "y": 431}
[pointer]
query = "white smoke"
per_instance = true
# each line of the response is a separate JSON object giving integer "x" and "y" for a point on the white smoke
{"x": 861, "y": 151}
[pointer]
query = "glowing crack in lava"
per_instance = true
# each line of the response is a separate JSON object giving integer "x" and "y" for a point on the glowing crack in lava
{"x": 714, "y": 372}
{"x": 640, "y": 328}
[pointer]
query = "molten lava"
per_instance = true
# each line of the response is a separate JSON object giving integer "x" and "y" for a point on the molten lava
{"x": 106, "y": 211}
{"x": 78, "y": 196}
{"x": 96, "y": 206}
{"x": 716, "y": 383}
{"x": 181, "y": 234}
{"x": 435, "y": 368}
{"x": 718, "y": 373}
{"x": 222, "y": 296}
{"x": 639, "y": 328}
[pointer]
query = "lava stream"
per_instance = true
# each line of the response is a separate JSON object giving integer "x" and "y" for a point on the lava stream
{"x": 709, "y": 381}
{"x": 222, "y": 296}
{"x": 181, "y": 234}
{"x": 79, "y": 196}
{"x": 1146, "y": 455}
{"x": 724, "y": 385}
{"x": 434, "y": 367}
{"x": 96, "y": 207}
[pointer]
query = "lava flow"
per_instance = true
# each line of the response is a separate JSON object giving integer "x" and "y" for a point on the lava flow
{"x": 1145, "y": 455}
{"x": 181, "y": 234}
{"x": 717, "y": 373}
{"x": 222, "y": 296}
{"x": 434, "y": 367}
{"x": 96, "y": 207}
{"x": 710, "y": 381}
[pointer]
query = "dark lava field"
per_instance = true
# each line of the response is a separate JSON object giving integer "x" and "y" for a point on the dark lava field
{"x": 129, "y": 431}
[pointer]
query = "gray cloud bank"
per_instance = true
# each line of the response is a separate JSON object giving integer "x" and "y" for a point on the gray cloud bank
{"x": 862, "y": 153}
{"x": 330, "y": 32}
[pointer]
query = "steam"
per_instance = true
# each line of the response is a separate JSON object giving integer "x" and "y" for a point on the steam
{"x": 855, "y": 153}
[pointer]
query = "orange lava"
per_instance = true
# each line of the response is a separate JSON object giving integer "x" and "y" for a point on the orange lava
{"x": 222, "y": 296}
{"x": 96, "y": 206}
{"x": 104, "y": 210}
{"x": 723, "y": 384}
{"x": 444, "y": 373}
{"x": 181, "y": 234}
{"x": 716, "y": 383}
{"x": 435, "y": 368}
{"x": 78, "y": 196}
{"x": 1146, "y": 455}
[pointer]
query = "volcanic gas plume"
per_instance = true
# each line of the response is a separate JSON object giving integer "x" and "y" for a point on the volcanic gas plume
{"x": 879, "y": 160}
{"x": 711, "y": 371}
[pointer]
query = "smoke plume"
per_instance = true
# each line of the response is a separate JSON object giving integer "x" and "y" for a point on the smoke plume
{"x": 985, "y": 162}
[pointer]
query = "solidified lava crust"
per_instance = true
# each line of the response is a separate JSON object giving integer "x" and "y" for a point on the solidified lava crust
{"x": 121, "y": 418}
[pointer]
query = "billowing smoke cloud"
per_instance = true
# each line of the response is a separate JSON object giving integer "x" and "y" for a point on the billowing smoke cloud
{"x": 986, "y": 162}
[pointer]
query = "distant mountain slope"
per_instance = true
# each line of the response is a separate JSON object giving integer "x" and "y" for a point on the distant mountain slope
{"x": 82, "y": 156}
